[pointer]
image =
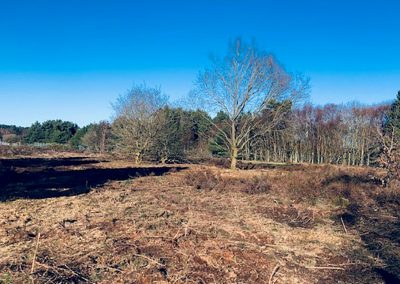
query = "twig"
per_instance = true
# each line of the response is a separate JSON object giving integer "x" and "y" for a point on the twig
{"x": 274, "y": 271}
{"x": 148, "y": 258}
{"x": 178, "y": 278}
{"x": 34, "y": 256}
{"x": 325, "y": 267}
{"x": 58, "y": 269}
{"x": 76, "y": 274}
{"x": 251, "y": 244}
{"x": 176, "y": 235}
{"x": 344, "y": 226}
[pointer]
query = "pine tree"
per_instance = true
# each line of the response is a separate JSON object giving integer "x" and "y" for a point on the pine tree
{"x": 169, "y": 141}
{"x": 390, "y": 142}
{"x": 51, "y": 131}
{"x": 393, "y": 118}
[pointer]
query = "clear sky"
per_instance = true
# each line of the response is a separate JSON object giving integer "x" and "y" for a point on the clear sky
{"x": 70, "y": 59}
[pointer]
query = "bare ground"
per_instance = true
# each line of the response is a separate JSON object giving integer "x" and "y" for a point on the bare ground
{"x": 68, "y": 219}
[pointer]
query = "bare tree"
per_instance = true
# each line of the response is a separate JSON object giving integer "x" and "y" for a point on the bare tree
{"x": 242, "y": 85}
{"x": 390, "y": 156}
{"x": 97, "y": 137}
{"x": 136, "y": 120}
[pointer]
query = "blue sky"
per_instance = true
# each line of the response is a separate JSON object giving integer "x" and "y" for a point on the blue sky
{"x": 70, "y": 59}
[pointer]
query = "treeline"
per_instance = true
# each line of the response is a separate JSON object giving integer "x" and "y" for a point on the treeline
{"x": 145, "y": 128}
{"x": 336, "y": 134}
{"x": 52, "y": 131}
{"x": 245, "y": 105}
{"x": 173, "y": 136}
{"x": 12, "y": 133}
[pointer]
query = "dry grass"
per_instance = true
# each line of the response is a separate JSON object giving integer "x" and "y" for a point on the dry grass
{"x": 208, "y": 225}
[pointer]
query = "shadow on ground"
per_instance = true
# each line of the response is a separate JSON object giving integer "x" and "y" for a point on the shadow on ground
{"x": 357, "y": 179}
{"x": 43, "y": 162}
{"x": 373, "y": 212}
{"x": 49, "y": 182}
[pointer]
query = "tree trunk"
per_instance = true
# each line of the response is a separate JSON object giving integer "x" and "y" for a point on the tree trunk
{"x": 234, "y": 154}
{"x": 138, "y": 158}
{"x": 233, "y": 146}
{"x": 103, "y": 141}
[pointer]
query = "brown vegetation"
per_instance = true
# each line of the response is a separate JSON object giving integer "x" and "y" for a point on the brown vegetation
{"x": 202, "y": 224}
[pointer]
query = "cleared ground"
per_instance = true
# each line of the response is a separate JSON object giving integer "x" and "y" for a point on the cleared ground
{"x": 71, "y": 219}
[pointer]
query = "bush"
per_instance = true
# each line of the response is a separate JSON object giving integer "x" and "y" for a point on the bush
{"x": 257, "y": 185}
{"x": 204, "y": 179}
{"x": 207, "y": 179}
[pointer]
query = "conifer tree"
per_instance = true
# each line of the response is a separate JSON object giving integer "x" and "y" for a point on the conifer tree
{"x": 393, "y": 118}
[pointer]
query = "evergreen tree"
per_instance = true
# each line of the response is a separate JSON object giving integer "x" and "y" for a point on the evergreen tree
{"x": 197, "y": 127}
{"x": 35, "y": 134}
{"x": 169, "y": 141}
{"x": 76, "y": 141}
{"x": 51, "y": 131}
{"x": 181, "y": 133}
{"x": 217, "y": 144}
{"x": 393, "y": 118}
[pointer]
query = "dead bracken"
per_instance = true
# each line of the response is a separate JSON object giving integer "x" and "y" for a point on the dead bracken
{"x": 195, "y": 224}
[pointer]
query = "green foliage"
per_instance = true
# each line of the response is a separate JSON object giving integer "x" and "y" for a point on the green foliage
{"x": 94, "y": 137}
{"x": 51, "y": 131}
{"x": 217, "y": 144}
{"x": 169, "y": 141}
{"x": 76, "y": 141}
{"x": 275, "y": 114}
{"x": 221, "y": 117}
{"x": 181, "y": 132}
{"x": 393, "y": 118}
{"x": 97, "y": 137}
{"x": 197, "y": 127}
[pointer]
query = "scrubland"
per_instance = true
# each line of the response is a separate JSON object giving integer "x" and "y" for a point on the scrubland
{"x": 65, "y": 218}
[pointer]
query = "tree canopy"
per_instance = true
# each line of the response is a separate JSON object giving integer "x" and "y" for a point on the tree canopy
{"x": 51, "y": 131}
{"x": 393, "y": 118}
{"x": 242, "y": 84}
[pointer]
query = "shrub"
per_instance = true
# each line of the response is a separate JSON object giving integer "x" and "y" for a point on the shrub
{"x": 203, "y": 179}
{"x": 257, "y": 185}
{"x": 206, "y": 179}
